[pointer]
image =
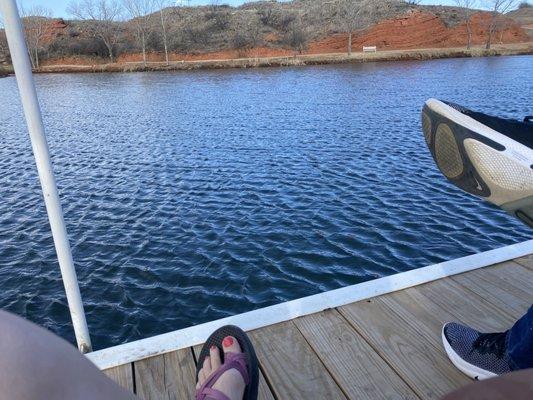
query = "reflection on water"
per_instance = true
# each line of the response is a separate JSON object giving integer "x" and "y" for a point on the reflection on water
{"x": 191, "y": 196}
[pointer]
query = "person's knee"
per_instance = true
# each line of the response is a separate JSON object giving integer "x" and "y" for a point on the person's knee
{"x": 36, "y": 364}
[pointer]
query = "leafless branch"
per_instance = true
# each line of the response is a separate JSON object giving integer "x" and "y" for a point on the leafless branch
{"x": 102, "y": 15}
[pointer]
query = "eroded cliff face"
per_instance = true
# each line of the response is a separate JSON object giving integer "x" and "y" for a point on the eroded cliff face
{"x": 417, "y": 30}
{"x": 414, "y": 30}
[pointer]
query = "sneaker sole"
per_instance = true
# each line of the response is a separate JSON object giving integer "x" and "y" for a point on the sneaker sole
{"x": 480, "y": 160}
{"x": 465, "y": 367}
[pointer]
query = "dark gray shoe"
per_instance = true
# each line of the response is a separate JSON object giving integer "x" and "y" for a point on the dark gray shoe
{"x": 478, "y": 355}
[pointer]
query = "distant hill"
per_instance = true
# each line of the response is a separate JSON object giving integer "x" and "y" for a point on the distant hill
{"x": 269, "y": 28}
{"x": 524, "y": 17}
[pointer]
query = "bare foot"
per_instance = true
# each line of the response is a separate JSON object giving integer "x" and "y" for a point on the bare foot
{"x": 230, "y": 382}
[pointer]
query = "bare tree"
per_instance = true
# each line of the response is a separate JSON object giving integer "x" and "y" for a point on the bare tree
{"x": 318, "y": 13}
{"x": 353, "y": 15}
{"x": 246, "y": 34}
{"x": 4, "y": 49}
{"x": 497, "y": 8}
{"x": 36, "y": 21}
{"x": 218, "y": 15}
{"x": 164, "y": 17}
{"x": 297, "y": 36}
{"x": 102, "y": 16}
{"x": 468, "y": 10}
{"x": 140, "y": 12}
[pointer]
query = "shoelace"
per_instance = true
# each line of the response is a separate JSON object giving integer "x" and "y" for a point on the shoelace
{"x": 491, "y": 343}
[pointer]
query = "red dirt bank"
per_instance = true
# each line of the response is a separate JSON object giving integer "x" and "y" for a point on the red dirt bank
{"x": 415, "y": 30}
{"x": 419, "y": 30}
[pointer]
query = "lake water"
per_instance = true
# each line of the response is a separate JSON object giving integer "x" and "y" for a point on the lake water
{"x": 191, "y": 196}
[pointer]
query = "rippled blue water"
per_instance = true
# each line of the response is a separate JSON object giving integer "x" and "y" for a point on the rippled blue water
{"x": 191, "y": 196}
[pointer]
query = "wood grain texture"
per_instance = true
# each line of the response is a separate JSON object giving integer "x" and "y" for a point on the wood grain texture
{"x": 291, "y": 366}
{"x": 423, "y": 366}
{"x": 514, "y": 276}
{"x": 123, "y": 375}
{"x": 499, "y": 293}
{"x": 264, "y": 392}
{"x": 420, "y": 313}
{"x": 170, "y": 376}
{"x": 455, "y": 303}
{"x": 197, "y": 349}
{"x": 427, "y": 307}
{"x": 355, "y": 366}
{"x": 526, "y": 261}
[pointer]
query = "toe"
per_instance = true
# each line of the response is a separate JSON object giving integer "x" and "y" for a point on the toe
{"x": 207, "y": 366}
{"x": 230, "y": 345}
{"x": 201, "y": 378}
{"x": 214, "y": 355}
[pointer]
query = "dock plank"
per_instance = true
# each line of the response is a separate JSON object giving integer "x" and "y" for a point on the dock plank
{"x": 263, "y": 393}
{"x": 497, "y": 292}
{"x": 526, "y": 261}
{"x": 123, "y": 375}
{"x": 463, "y": 306}
{"x": 513, "y": 276}
{"x": 423, "y": 366}
{"x": 170, "y": 376}
{"x": 427, "y": 307}
{"x": 385, "y": 347}
{"x": 355, "y": 366}
{"x": 421, "y": 314}
{"x": 291, "y": 366}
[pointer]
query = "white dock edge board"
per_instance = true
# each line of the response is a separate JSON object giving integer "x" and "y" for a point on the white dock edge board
{"x": 144, "y": 348}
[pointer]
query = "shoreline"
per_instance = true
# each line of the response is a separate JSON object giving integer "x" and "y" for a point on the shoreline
{"x": 297, "y": 60}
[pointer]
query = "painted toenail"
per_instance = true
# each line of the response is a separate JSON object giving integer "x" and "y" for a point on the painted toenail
{"x": 227, "y": 342}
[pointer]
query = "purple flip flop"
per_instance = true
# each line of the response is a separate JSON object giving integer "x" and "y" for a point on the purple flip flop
{"x": 246, "y": 363}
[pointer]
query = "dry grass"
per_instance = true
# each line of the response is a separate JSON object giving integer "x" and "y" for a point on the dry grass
{"x": 315, "y": 59}
{"x": 5, "y": 71}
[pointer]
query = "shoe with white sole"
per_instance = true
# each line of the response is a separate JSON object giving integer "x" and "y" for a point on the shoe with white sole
{"x": 478, "y": 355}
{"x": 486, "y": 156}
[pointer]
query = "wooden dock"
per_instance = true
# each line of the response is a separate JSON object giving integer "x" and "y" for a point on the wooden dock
{"x": 386, "y": 347}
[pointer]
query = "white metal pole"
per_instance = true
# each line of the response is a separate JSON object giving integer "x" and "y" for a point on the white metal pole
{"x": 28, "y": 95}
